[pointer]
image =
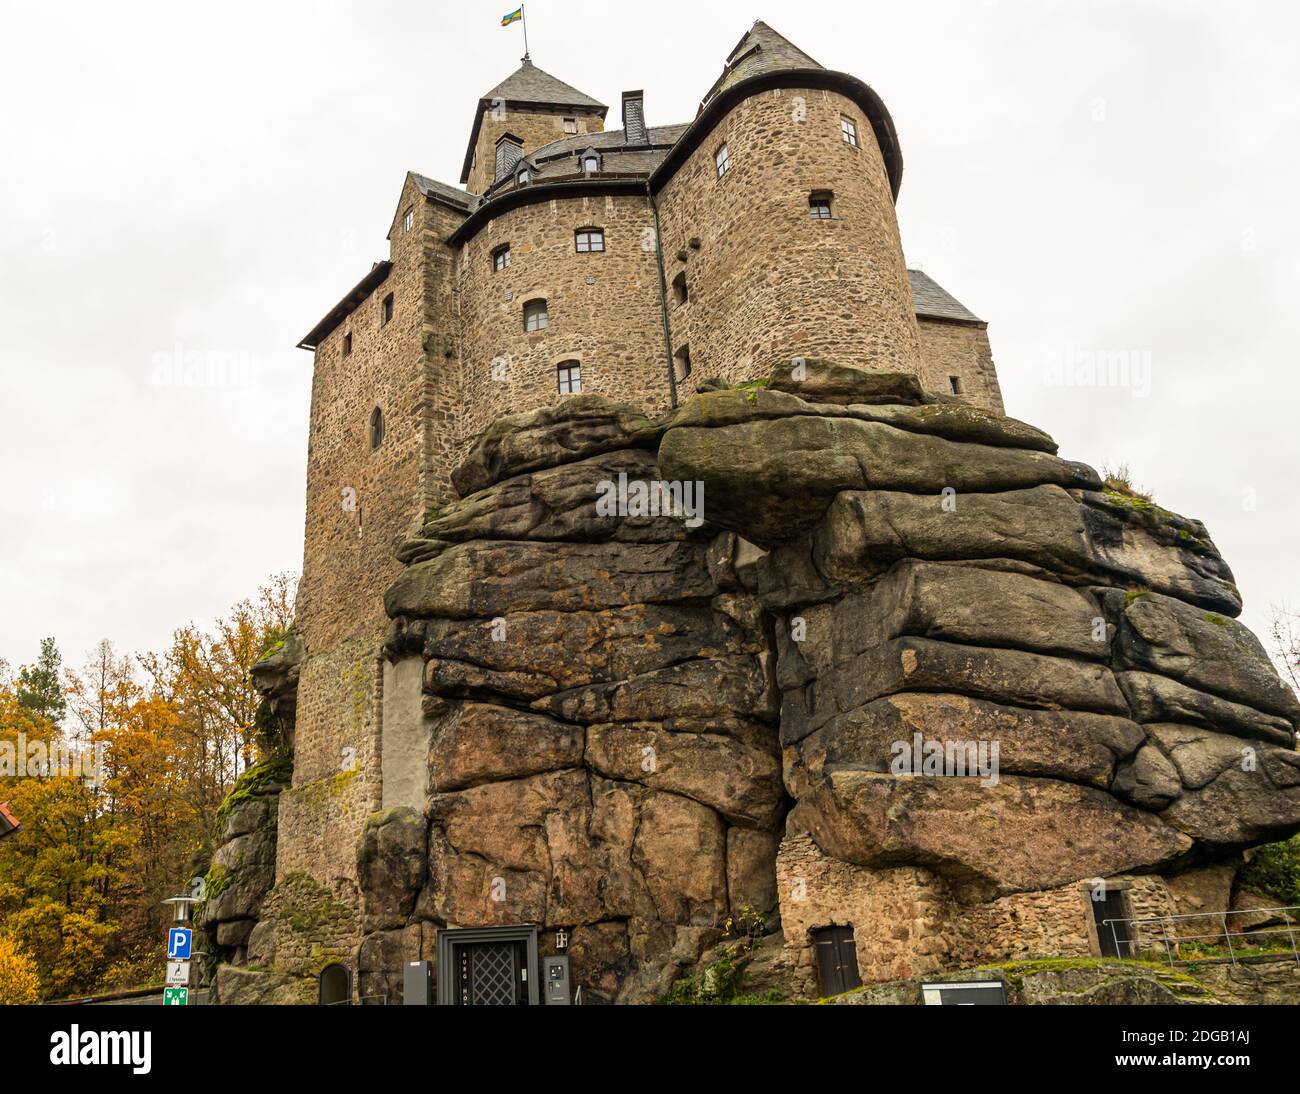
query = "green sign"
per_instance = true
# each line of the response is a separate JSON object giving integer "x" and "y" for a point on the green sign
{"x": 176, "y": 997}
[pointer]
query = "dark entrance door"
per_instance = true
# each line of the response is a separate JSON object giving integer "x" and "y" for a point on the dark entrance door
{"x": 1113, "y": 937}
{"x": 837, "y": 960}
{"x": 492, "y": 974}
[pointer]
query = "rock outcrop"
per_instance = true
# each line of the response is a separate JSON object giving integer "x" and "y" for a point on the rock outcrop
{"x": 628, "y": 710}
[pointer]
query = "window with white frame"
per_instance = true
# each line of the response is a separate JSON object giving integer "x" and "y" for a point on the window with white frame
{"x": 568, "y": 377}
{"x": 500, "y": 257}
{"x": 849, "y": 130}
{"x": 535, "y": 316}
{"x": 722, "y": 159}
{"x": 408, "y": 220}
{"x": 589, "y": 240}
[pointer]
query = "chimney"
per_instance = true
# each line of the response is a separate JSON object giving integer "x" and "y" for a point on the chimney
{"x": 634, "y": 128}
{"x": 510, "y": 150}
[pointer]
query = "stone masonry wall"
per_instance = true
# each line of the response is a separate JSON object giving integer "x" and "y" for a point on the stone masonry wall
{"x": 535, "y": 127}
{"x": 768, "y": 282}
{"x": 961, "y": 350}
{"x": 603, "y": 309}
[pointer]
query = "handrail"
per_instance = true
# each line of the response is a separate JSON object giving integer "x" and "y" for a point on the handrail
{"x": 1223, "y": 933}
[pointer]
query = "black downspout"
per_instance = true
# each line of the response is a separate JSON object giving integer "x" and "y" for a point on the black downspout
{"x": 663, "y": 298}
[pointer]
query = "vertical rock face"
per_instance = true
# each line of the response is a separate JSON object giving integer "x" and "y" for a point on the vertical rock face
{"x": 628, "y": 711}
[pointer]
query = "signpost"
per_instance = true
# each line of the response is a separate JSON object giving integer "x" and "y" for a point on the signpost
{"x": 179, "y": 940}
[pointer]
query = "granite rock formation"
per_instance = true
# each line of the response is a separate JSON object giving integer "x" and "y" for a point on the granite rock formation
{"x": 627, "y": 714}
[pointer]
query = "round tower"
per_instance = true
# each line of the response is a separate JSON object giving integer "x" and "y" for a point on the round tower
{"x": 777, "y": 214}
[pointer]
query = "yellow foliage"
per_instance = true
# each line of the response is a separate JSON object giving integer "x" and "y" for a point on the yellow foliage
{"x": 18, "y": 980}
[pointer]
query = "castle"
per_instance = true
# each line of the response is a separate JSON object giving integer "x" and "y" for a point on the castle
{"x": 579, "y": 269}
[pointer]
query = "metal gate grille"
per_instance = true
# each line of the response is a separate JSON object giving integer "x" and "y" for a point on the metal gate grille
{"x": 491, "y": 974}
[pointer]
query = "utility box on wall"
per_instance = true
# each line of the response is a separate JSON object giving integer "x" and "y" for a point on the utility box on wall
{"x": 417, "y": 984}
{"x": 556, "y": 988}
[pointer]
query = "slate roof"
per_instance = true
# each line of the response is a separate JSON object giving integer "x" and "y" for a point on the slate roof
{"x": 529, "y": 84}
{"x": 440, "y": 191}
{"x": 934, "y": 302}
{"x": 760, "y": 50}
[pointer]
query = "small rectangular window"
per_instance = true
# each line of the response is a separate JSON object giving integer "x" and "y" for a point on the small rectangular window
{"x": 588, "y": 240}
{"x": 849, "y": 131}
{"x": 535, "y": 316}
{"x": 388, "y": 307}
{"x": 347, "y": 344}
{"x": 568, "y": 377}
{"x": 408, "y": 220}
{"x": 570, "y": 125}
{"x": 501, "y": 258}
{"x": 682, "y": 364}
{"x": 722, "y": 158}
{"x": 954, "y": 382}
{"x": 819, "y": 205}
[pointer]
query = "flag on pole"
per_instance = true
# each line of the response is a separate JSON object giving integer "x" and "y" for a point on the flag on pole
{"x": 513, "y": 17}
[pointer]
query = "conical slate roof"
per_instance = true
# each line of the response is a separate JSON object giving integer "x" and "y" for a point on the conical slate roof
{"x": 529, "y": 84}
{"x": 761, "y": 50}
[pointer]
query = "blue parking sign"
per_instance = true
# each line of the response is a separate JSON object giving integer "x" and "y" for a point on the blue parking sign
{"x": 178, "y": 943}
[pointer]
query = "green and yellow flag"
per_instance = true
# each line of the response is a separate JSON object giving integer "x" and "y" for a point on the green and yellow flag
{"x": 513, "y": 17}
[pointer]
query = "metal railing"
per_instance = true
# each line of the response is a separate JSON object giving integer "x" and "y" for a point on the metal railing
{"x": 1146, "y": 934}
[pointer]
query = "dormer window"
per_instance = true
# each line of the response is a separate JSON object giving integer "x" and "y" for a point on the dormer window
{"x": 535, "y": 316}
{"x": 589, "y": 240}
{"x": 523, "y": 176}
{"x": 500, "y": 258}
{"x": 722, "y": 160}
{"x": 590, "y": 162}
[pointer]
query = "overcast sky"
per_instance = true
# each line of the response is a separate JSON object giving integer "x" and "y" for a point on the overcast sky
{"x": 183, "y": 179}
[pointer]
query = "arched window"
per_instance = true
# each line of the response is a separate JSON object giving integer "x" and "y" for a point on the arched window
{"x": 535, "y": 316}
{"x": 335, "y": 985}
{"x": 682, "y": 364}
{"x": 376, "y": 428}
{"x": 568, "y": 377}
{"x": 680, "y": 290}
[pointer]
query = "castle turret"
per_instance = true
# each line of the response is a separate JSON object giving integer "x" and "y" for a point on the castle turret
{"x": 777, "y": 211}
{"x": 534, "y": 109}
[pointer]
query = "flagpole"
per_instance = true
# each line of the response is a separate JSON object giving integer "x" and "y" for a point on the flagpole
{"x": 523, "y": 18}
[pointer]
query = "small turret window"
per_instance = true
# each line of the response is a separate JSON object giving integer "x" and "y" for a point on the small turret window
{"x": 590, "y": 164}
{"x": 682, "y": 364}
{"x": 587, "y": 240}
{"x": 680, "y": 290}
{"x": 954, "y": 382}
{"x": 388, "y": 308}
{"x": 819, "y": 204}
{"x": 722, "y": 158}
{"x": 535, "y": 316}
{"x": 849, "y": 130}
{"x": 568, "y": 377}
{"x": 408, "y": 219}
{"x": 347, "y": 344}
{"x": 500, "y": 258}
{"x": 376, "y": 428}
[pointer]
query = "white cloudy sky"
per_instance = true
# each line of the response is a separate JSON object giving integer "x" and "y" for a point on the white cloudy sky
{"x": 181, "y": 178}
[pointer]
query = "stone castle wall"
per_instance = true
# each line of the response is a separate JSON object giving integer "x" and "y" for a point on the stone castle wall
{"x": 961, "y": 350}
{"x": 535, "y": 127}
{"x": 603, "y": 309}
{"x": 769, "y": 282}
